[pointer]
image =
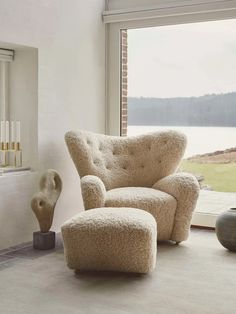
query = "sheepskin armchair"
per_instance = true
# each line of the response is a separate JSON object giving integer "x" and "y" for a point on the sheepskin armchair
{"x": 138, "y": 172}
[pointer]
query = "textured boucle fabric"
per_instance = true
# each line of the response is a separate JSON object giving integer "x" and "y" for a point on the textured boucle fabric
{"x": 93, "y": 192}
{"x": 126, "y": 161}
{"x": 125, "y": 171}
{"x": 111, "y": 239}
{"x": 185, "y": 188}
{"x": 161, "y": 205}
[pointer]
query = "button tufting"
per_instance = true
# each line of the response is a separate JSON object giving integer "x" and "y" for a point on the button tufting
{"x": 96, "y": 161}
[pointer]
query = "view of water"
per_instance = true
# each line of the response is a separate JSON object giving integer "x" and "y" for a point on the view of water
{"x": 200, "y": 139}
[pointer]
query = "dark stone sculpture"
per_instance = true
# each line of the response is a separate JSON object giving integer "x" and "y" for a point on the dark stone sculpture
{"x": 226, "y": 229}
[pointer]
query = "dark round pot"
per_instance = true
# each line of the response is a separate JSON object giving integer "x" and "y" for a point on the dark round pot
{"x": 226, "y": 229}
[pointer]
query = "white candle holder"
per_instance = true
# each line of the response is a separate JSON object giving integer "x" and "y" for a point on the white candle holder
{"x": 18, "y": 156}
{"x": 15, "y": 155}
{"x": 3, "y": 155}
{"x": 10, "y": 153}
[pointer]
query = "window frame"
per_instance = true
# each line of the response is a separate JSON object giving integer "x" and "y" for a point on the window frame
{"x": 113, "y": 83}
{"x": 6, "y": 56}
{"x": 4, "y": 91}
{"x": 214, "y": 12}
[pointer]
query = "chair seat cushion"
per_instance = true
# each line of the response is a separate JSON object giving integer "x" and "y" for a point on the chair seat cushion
{"x": 114, "y": 239}
{"x": 161, "y": 205}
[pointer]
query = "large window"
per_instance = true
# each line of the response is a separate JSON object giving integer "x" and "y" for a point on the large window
{"x": 182, "y": 77}
{"x": 177, "y": 54}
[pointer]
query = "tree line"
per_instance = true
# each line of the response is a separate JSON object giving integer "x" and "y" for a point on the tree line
{"x": 208, "y": 110}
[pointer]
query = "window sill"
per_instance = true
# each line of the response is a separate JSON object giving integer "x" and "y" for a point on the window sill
{"x": 17, "y": 173}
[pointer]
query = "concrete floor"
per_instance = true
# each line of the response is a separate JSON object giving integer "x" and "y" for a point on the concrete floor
{"x": 215, "y": 203}
{"x": 199, "y": 276}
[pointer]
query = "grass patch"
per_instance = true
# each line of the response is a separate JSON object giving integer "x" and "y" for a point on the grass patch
{"x": 221, "y": 177}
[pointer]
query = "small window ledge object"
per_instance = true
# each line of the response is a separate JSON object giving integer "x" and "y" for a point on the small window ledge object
{"x": 10, "y": 150}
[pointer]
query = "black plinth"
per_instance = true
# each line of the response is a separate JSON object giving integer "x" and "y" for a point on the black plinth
{"x": 44, "y": 241}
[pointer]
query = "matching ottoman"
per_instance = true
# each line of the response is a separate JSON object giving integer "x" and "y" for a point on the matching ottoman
{"x": 111, "y": 239}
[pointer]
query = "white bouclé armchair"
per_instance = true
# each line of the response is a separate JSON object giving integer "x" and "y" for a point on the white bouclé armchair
{"x": 139, "y": 172}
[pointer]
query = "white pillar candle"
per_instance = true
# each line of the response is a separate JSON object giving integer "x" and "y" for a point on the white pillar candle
{"x": 18, "y": 131}
{"x": 3, "y": 131}
{"x": 7, "y": 131}
{"x": 13, "y": 131}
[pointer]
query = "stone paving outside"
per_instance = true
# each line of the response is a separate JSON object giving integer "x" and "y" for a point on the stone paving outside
{"x": 211, "y": 202}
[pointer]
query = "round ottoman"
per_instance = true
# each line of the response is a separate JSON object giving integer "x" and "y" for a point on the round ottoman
{"x": 111, "y": 239}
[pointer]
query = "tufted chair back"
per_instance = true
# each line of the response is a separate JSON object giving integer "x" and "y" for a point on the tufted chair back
{"x": 126, "y": 161}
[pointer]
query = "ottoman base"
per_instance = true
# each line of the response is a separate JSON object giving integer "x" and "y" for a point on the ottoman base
{"x": 111, "y": 239}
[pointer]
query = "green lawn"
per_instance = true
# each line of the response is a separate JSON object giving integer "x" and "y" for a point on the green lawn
{"x": 221, "y": 177}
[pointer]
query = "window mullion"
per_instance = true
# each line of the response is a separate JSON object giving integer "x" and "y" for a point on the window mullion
{"x": 4, "y": 101}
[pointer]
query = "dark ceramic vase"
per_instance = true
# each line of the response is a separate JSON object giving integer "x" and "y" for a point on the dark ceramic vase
{"x": 226, "y": 229}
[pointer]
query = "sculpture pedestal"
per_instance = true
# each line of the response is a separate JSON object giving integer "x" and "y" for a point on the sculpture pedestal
{"x": 44, "y": 241}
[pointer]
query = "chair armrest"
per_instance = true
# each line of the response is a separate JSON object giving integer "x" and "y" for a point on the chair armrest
{"x": 180, "y": 185}
{"x": 93, "y": 192}
{"x": 185, "y": 188}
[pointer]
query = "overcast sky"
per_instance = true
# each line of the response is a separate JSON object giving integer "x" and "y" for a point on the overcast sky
{"x": 182, "y": 60}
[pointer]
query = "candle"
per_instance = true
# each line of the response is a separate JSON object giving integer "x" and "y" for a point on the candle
{"x": 3, "y": 131}
{"x": 13, "y": 131}
{"x": 7, "y": 131}
{"x": 18, "y": 131}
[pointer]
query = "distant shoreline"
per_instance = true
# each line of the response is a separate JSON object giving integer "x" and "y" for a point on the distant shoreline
{"x": 221, "y": 156}
{"x": 215, "y": 110}
{"x": 200, "y": 140}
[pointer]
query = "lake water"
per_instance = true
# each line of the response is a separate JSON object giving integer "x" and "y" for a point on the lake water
{"x": 200, "y": 139}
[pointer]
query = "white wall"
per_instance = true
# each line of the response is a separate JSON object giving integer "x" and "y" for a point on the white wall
{"x": 70, "y": 38}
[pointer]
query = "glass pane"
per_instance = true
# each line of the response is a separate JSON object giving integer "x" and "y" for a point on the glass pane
{"x": 183, "y": 77}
